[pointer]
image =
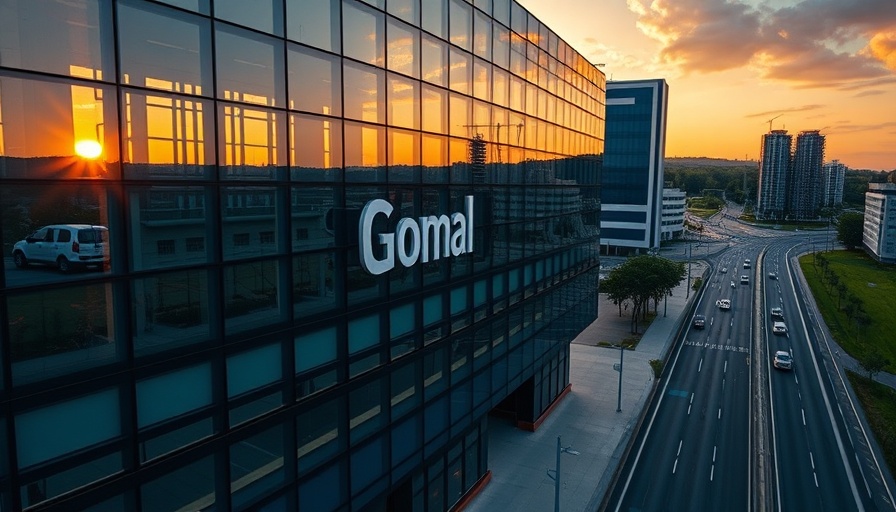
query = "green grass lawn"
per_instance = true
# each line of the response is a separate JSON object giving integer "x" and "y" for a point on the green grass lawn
{"x": 879, "y": 403}
{"x": 874, "y": 284}
{"x": 703, "y": 212}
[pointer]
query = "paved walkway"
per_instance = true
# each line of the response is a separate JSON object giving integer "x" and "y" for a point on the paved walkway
{"x": 586, "y": 419}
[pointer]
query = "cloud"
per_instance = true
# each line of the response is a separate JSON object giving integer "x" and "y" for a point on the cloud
{"x": 804, "y": 108}
{"x": 812, "y": 43}
{"x": 872, "y": 92}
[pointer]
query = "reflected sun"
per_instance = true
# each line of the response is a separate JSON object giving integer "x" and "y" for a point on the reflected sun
{"x": 88, "y": 149}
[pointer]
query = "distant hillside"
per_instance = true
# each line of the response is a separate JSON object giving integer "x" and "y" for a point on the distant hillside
{"x": 709, "y": 162}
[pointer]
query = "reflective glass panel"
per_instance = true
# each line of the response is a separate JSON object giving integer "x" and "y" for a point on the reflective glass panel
{"x": 461, "y": 23}
{"x": 435, "y": 17}
{"x": 164, "y": 49}
{"x": 315, "y": 81}
{"x": 482, "y": 35}
{"x": 57, "y": 129}
{"x": 256, "y": 466}
{"x": 461, "y": 70}
{"x": 364, "y": 93}
{"x": 315, "y": 148}
{"x": 169, "y": 310}
{"x": 501, "y": 46}
{"x": 62, "y": 330}
{"x": 314, "y": 283}
{"x": 63, "y": 38}
{"x": 152, "y": 212}
{"x": 249, "y": 221}
{"x": 365, "y": 152}
{"x": 434, "y": 60}
{"x": 407, "y": 10}
{"x": 364, "y": 34}
{"x": 40, "y": 248}
{"x": 251, "y": 142}
{"x": 315, "y": 23}
{"x": 403, "y": 49}
{"x": 312, "y": 212}
{"x": 481, "y": 79}
{"x": 459, "y": 124}
{"x": 404, "y": 102}
{"x": 266, "y": 15}
{"x": 165, "y": 136}
{"x": 251, "y": 295}
{"x": 435, "y": 110}
{"x": 250, "y": 67}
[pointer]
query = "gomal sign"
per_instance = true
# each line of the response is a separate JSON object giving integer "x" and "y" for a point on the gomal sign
{"x": 426, "y": 239}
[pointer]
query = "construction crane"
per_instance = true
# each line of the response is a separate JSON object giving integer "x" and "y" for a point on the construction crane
{"x": 770, "y": 122}
{"x": 519, "y": 130}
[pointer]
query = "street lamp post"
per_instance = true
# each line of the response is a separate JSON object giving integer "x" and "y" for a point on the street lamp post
{"x": 619, "y": 369}
{"x": 556, "y": 476}
{"x": 687, "y": 292}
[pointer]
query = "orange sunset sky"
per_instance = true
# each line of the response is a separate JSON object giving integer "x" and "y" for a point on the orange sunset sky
{"x": 731, "y": 66}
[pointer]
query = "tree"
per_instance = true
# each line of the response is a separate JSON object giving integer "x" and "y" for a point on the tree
{"x": 850, "y": 226}
{"x": 640, "y": 279}
{"x": 841, "y": 292}
{"x": 833, "y": 280}
{"x": 873, "y": 362}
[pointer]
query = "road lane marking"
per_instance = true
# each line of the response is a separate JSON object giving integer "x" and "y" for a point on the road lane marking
{"x": 804, "y": 416}
{"x": 700, "y": 366}
{"x": 725, "y": 370}
{"x": 812, "y": 460}
{"x": 680, "y": 442}
{"x": 720, "y": 414}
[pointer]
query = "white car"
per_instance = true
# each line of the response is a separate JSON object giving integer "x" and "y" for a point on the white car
{"x": 779, "y": 328}
{"x": 744, "y": 279}
{"x": 65, "y": 246}
{"x": 783, "y": 360}
{"x": 777, "y": 312}
{"x": 772, "y": 275}
{"x": 723, "y": 303}
{"x": 724, "y": 270}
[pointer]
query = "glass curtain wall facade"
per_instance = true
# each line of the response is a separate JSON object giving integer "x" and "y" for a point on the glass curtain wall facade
{"x": 188, "y": 322}
{"x": 774, "y": 170}
{"x": 632, "y": 178}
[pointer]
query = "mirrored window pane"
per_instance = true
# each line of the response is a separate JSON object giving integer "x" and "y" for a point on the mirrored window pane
{"x": 312, "y": 211}
{"x": 252, "y": 142}
{"x": 164, "y": 49}
{"x": 404, "y": 102}
{"x": 482, "y": 80}
{"x": 152, "y": 213}
{"x": 482, "y": 35}
{"x": 365, "y": 152}
{"x": 61, "y": 330}
{"x": 407, "y": 10}
{"x": 315, "y": 148}
{"x": 315, "y": 23}
{"x": 435, "y": 17}
{"x": 63, "y": 38}
{"x": 250, "y": 67}
{"x": 55, "y": 234}
{"x": 501, "y": 47}
{"x": 256, "y": 466}
{"x": 461, "y": 23}
{"x": 57, "y": 129}
{"x": 315, "y": 81}
{"x": 249, "y": 221}
{"x": 168, "y": 492}
{"x": 169, "y": 310}
{"x": 404, "y": 156}
{"x": 315, "y": 283}
{"x": 434, "y": 60}
{"x": 266, "y": 15}
{"x": 364, "y": 93}
{"x": 200, "y": 6}
{"x": 459, "y": 124}
{"x": 460, "y": 65}
{"x": 252, "y": 295}
{"x": 364, "y": 33}
{"x": 167, "y": 136}
{"x": 403, "y": 49}
{"x": 434, "y": 110}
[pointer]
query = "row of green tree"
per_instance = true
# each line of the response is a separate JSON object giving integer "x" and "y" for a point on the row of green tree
{"x": 694, "y": 179}
{"x": 637, "y": 281}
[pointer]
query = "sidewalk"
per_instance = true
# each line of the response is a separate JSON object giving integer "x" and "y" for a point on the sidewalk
{"x": 586, "y": 419}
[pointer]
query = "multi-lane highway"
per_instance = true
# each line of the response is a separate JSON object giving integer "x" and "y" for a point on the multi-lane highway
{"x": 717, "y": 416}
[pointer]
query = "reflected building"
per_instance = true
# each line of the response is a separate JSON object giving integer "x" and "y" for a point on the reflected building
{"x": 632, "y": 179}
{"x": 879, "y": 229}
{"x": 774, "y": 172}
{"x": 806, "y": 180}
{"x": 266, "y": 335}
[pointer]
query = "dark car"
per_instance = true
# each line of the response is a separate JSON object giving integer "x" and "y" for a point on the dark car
{"x": 699, "y": 321}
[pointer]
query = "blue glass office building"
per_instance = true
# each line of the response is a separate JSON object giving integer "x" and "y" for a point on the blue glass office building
{"x": 255, "y": 329}
{"x": 632, "y": 179}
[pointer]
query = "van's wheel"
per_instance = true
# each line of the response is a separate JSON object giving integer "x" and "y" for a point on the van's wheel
{"x": 20, "y": 260}
{"x": 64, "y": 266}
